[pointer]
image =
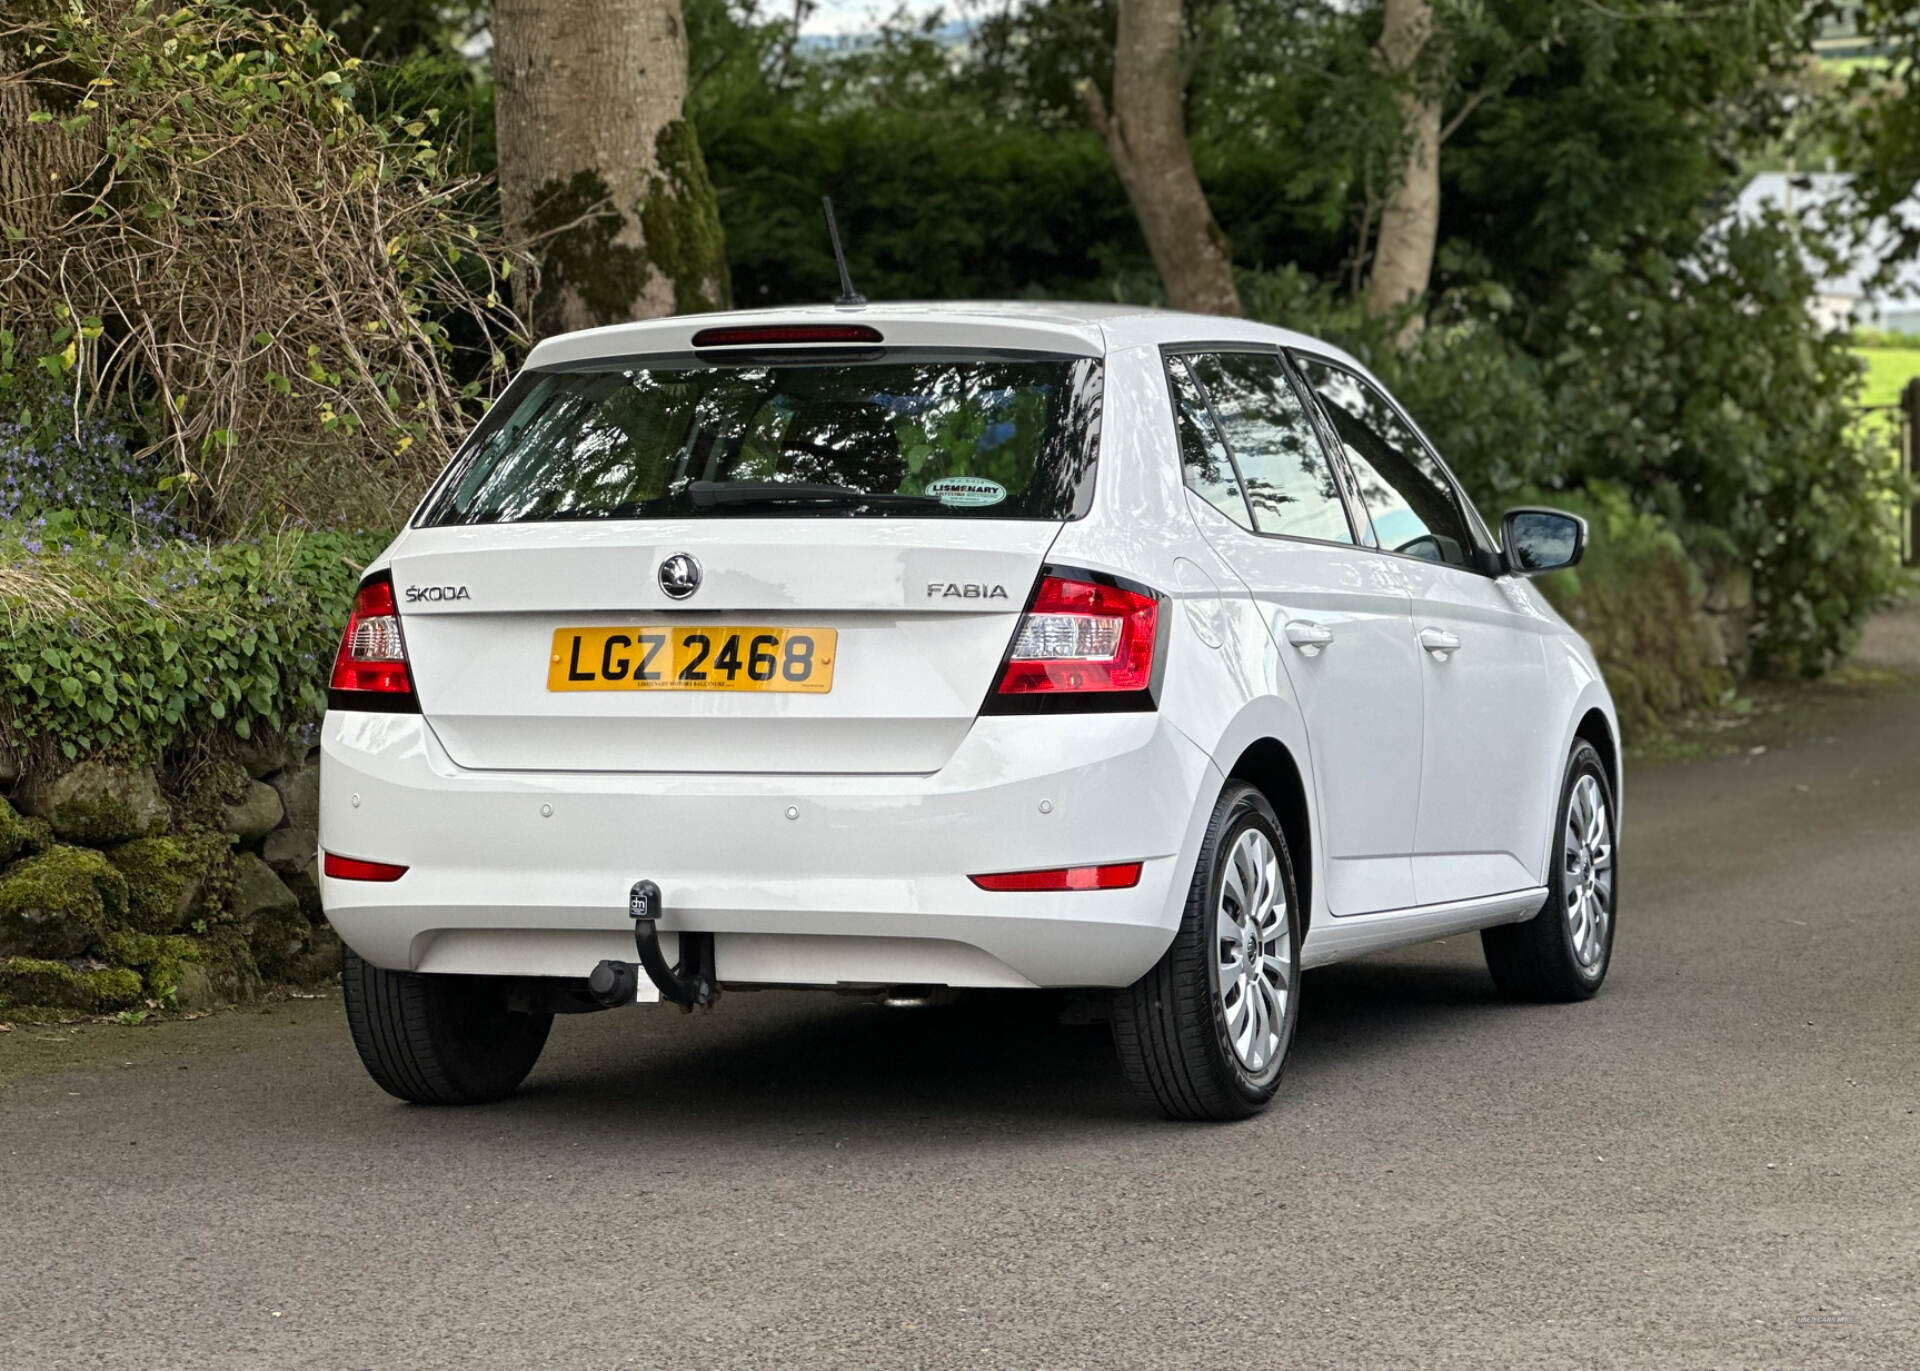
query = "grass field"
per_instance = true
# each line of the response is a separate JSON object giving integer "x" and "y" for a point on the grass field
{"x": 1888, "y": 369}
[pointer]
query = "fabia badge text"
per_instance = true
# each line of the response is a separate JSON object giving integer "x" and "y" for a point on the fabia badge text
{"x": 967, "y": 590}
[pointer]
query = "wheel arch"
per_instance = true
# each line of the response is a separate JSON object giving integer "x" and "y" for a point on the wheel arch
{"x": 1268, "y": 766}
{"x": 1596, "y": 728}
{"x": 1593, "y": 721}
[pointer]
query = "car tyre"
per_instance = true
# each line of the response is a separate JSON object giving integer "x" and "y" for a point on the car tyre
{"x": 1562, "y": 953}
{"x": 1205, "y": 1033}
{"x": 439, "y": 1039}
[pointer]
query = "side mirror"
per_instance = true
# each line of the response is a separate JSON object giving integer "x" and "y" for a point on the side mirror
{"x": 1535, "y": 541}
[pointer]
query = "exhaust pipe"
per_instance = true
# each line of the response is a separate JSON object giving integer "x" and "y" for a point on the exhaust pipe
{"x": 915, "y": 996}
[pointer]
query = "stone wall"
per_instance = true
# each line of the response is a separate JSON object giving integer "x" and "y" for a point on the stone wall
{"x": 119, "y": 893}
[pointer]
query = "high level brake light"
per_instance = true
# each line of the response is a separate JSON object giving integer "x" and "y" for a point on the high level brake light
{"x": 1084, "y": 637}
{"x": 761, "y": 335}
{"x": 370, "y": 671}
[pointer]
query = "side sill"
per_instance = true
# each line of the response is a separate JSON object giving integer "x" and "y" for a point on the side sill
{"x": 1335, "y": 940}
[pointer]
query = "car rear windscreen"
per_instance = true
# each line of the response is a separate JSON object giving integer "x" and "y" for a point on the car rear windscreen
{"x": 916, "y": 436}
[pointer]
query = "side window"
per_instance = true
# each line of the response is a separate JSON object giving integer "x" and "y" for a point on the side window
{"x": 1413, "y": 504}
{"x": 1209, "y": 468}
{"x": 1289, "y": 481}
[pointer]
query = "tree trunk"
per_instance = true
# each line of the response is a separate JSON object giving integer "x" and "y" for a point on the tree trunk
{"x": 1146, "y": 136}
{"x": 38, "y": 161}
{"x": 1410, "y": 217}
{"x": 601, "y": 176}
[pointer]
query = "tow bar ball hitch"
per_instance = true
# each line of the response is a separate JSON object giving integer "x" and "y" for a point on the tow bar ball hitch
{"x": 689, "y": 984}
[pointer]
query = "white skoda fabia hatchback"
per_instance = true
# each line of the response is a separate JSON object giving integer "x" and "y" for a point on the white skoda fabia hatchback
{"x": 952, "y": 646}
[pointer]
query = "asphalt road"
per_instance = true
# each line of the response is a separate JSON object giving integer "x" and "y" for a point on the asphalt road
{"x": 1714, "y": 1164}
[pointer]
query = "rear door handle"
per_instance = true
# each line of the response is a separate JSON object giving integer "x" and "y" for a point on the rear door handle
{"x": 1439, "y": 642}
{"x": 1309, "y": 637}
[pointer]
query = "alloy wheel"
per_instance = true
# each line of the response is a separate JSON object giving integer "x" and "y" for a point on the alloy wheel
{"x": 1587, "y": 872}
{"x": 1253, "y": 951}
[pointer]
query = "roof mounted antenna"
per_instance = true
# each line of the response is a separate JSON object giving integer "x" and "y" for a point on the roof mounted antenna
{"x": 848, "y": 295}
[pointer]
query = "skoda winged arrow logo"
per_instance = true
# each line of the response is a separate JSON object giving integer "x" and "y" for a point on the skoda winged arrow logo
{"x": 679, "y": 576}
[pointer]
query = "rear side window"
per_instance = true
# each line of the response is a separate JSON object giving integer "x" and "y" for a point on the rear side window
{"x": 1209, "y": 469}
{"x": 941, "y": 436}
{"x": 1411, "y": 501}
{"x": 1282, "y": 465}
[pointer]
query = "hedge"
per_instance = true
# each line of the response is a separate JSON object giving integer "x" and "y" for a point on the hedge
{"x": 140, "y": 649}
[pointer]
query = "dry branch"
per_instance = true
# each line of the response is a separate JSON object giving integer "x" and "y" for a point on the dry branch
{"x": 198, "y": 227}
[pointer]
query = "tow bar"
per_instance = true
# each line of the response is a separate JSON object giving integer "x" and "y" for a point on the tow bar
{"x": 689, "y": 985}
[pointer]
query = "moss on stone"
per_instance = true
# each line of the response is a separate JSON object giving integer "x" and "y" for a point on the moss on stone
{"x": 206, "y": 796}
{"x": 231, "y": 975}
{"x": 98, "y": 818}
{"x": 277, "y": 931}
{"x": 681, "y": 219}
{"x": 60, "y": 903}
{"x": 586, "y": 261}
{"x": 32, "y": 982}
{"x": 21, "y": 836}
{"x": 36, "y": 1014}
{"x": 163, "y": 882}
{"x": 195, "y": 992}
{"x": 160, "y": 959}
{"x": 210, "y": 855}
{"x": 100, "y": 802}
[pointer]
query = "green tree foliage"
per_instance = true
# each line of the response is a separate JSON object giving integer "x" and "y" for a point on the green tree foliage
{"x": 1696, "y": 386}
{"x": 1875, "y": 123}
{"x": 928, "y": 213}
{"x": 1703, "y": 387}
{"x": 390, "y": 32}
{"x": 1589, "y": 330}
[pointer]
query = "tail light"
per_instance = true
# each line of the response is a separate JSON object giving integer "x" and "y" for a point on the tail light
{"x": 370, "y": 671}
{"x": 1114, "y": 876}
{"x": 1085, "y": 642}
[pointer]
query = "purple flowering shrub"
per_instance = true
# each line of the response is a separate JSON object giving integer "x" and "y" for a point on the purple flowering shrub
{"x": 59, "y": 476}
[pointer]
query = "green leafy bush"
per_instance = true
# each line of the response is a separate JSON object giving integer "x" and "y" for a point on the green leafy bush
{"x": 145, "y": 649}
{"x": 1702, "y": 385}
{"x": 1639, "y": 600}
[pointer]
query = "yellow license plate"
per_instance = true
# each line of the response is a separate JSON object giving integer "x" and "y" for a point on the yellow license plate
{"x": 692, "y": 657}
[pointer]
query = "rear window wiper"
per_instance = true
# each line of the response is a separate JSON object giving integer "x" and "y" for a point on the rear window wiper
{"x": 706, "y": 494}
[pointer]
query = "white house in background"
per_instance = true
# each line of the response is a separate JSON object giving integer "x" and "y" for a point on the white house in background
{"x": 1842, "y": 299}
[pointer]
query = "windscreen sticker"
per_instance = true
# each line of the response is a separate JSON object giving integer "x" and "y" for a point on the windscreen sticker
{"x": 967, "y": 492}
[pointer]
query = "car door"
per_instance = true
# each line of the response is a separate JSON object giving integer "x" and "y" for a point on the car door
{"x": 1338, "y": 616}
{"x": 1483, "y": 656}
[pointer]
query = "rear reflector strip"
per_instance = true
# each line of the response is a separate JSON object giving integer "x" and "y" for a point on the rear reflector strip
{"x": 353, "y": 869}
{"x": 1116, "y": 876}
{"x": 785, "y": 333}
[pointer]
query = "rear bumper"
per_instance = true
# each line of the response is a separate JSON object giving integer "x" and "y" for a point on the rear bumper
{"x": 803, "y": 880}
